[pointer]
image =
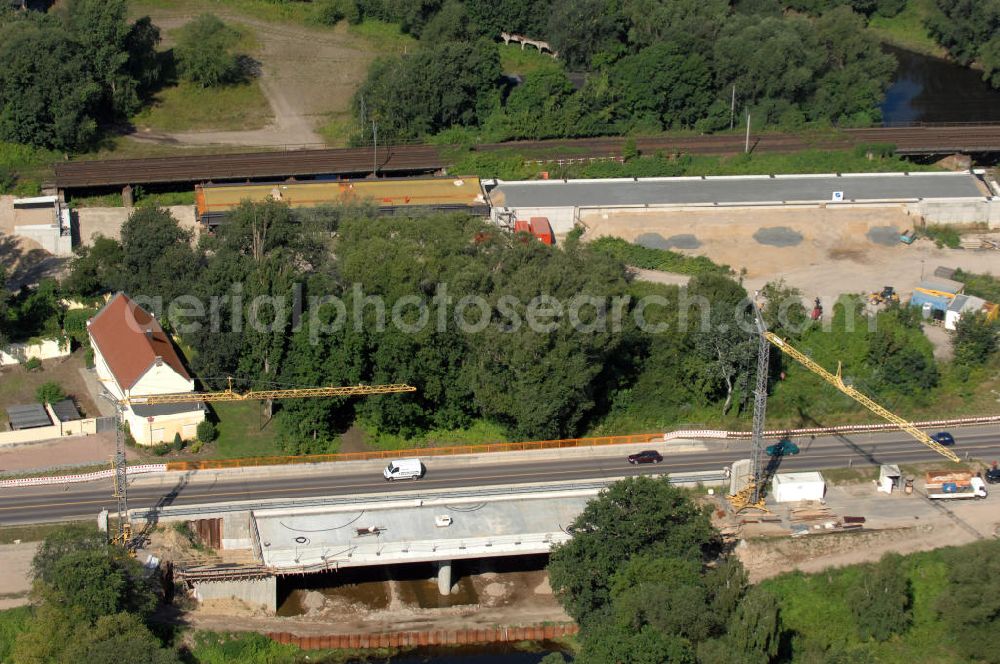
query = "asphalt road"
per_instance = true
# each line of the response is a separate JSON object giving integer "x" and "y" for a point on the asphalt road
{"x": 54, "y": 503}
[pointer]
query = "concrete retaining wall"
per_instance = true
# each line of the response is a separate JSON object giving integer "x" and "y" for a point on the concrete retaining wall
{"x": 427, "y": 637}
{"x": 107, "y": 221}
{"x": 46, "y": 349}
{"x": 236, "y": 531}
{"x": 49, "y": 237}
{"x": 973, "y": 211}
{"x": 261, "y": 593}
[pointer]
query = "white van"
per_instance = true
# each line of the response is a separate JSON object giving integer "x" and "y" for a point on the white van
{"x": 403, "y": 469}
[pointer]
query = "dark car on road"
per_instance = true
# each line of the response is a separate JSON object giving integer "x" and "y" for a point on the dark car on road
{"x": 993, "y": 474}
{"x": 944, "y": 438}
{"x": 646, "y": 456}
{"x": 783, "y": 447}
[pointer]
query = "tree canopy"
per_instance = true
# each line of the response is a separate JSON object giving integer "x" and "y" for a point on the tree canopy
{"x": 651, "y": 65}
{"x": 61, "y": 77}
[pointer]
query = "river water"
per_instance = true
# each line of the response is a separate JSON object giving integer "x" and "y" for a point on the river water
{"x": 928, "y": 89}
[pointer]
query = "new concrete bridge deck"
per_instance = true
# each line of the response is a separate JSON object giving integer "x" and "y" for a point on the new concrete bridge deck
{"x": 734, "y": 190}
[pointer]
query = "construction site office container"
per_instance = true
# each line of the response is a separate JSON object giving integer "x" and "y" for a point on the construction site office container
{"x": 793, "y": 487}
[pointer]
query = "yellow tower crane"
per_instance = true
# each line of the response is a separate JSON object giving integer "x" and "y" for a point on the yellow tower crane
{"x": 124, "y": 536}
{"x": 751, "y": 494}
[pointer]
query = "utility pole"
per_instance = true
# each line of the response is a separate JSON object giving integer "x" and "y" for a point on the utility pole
{"x": 746, "y": 147}
{"x": 732, "y": 110}
{"x": 374, "y": 149}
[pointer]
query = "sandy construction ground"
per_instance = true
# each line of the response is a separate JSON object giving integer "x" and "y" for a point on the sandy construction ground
{"x": 15, "y": 573}
{"x": 823, "y": 252}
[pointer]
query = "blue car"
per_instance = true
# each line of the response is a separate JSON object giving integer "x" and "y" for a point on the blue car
{"x": 943, "y": 438}
{"x": 782, "y": 448}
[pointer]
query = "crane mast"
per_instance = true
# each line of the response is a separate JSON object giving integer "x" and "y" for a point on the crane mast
{"x": 752, "y": 494}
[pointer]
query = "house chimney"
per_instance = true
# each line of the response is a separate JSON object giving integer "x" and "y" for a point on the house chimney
{"x": 159, "y": 361}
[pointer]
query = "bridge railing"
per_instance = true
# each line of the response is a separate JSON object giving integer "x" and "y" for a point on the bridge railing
{"x": 488, "y": 448}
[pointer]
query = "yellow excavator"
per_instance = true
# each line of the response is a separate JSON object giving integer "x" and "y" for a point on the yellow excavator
{"x": 884, "y": 296}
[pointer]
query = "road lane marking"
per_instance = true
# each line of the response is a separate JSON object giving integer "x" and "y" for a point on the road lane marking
{"x": 291, "y": 490}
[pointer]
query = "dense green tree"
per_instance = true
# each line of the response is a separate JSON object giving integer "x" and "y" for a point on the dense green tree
{"x": 971, "y": 605}
{"x": 449, "y": 24}
{"x": 122, "y": 56}
{"x": 768, "y": 59}
{"x": 101, "y": 582}
{"x": 965, "y": 26}
{"x": 538, "y": 108}
{"x": 96, "y": 268}
{"x": 631, "y": 517}
{"x": 661, "y": 87}
{"x": 206, "y": 55}
{"x": 68, "y": 539}
{"x": 612, "y": 643}
{"x": 581, "y": 31}
{"x": 668, "y": 594}
{"x": 48, "y": 94}
{"x": 439, "y": 86}
{"x": 754, "y": 631}
{"x": 899, "y": 356}
{"x": 975, "y": 339}
{"x": 882, "y": 601}
{"x": 689, "y": 26}
{"x": 989, "y": 58}
{"x": 526, "y": 17}
{"x": 121, "y": 637}
{"x": 782, "y": 310}
{"x": 721, "y": 324}
{"x": 857, "y": 71}
{"x": 34, "y": 312}
{"x": 561, "y": 345}
{"x": 158, "y": 261}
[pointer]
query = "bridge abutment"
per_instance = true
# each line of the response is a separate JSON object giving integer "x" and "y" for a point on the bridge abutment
{"x": 261, "y": 592}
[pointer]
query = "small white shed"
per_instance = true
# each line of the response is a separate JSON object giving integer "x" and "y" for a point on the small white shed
{"x": 793, "y": 487}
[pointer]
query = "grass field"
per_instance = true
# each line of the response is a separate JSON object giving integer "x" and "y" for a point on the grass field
{"x": 479, "y": 432}
{"x": 907, "y": 29}
{"x": 513, "y": 60}
{"x": 189, "y": 107}
{"x": 815, "y": 610}
{"x": 12, "y": 623}
{"x": 240, "y": 433}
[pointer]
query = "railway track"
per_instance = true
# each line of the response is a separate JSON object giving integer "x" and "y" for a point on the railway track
{"x": 407, "y": 159}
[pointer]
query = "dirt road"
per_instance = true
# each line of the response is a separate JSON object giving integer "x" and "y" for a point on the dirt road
{"x": 307, "y": 75}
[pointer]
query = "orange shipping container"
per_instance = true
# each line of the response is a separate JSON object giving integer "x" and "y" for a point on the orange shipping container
{"x": 541, "y": 229}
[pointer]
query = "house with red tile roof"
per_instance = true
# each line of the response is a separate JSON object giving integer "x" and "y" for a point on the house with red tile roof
{"x": 134, "y": 357}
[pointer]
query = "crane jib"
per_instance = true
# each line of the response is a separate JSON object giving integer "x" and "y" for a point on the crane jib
{"x": 863, "y": 399}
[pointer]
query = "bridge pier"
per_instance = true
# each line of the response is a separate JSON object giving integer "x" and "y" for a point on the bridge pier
{"x": 444, "y": 577}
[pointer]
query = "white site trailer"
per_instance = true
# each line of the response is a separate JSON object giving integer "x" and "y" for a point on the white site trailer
{"x": 793, "y": 487}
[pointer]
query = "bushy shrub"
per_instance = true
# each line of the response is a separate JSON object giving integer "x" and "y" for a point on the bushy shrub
{"x": 33, "y": 364}
{"x": 206, "y": 432}
{"x": 50, "y": 392}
